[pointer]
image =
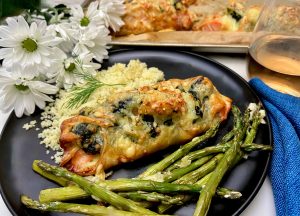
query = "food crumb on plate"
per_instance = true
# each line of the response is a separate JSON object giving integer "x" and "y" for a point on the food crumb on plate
{"x": 29, "y": 125}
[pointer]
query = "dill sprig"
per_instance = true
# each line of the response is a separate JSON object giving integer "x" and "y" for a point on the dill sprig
{"x": 80, "y": 94}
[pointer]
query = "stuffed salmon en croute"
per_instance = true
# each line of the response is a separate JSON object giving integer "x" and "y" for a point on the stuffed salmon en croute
{"x": 136, "y": 123}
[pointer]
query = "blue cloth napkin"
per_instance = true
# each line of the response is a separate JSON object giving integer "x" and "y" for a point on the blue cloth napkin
{"x": 284, "y": 113}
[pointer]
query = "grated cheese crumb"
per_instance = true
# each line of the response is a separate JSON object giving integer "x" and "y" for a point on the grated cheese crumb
{"x": 184, "y": 162}
{"x": 159, "y": 177}
{"x": 58, "y": 156}
{"x": 29, "y": 125}
{"x": 253, "y": 108}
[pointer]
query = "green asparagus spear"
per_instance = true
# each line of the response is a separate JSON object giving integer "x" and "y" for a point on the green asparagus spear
{"x": 197, "y": 174}
{"x": 197, "y": 155}
{"x": 193, "y": 177}
{"x": 177, "y": 173}
{"x": 221, "y": 191}
{"x": 211, "y": 186}
{"x": 152, "y": 197}
{"x": 121, "y": 185}
{"x": 95, "y": 190}
{"x": 76, "y": 208}
{"x": 256, "y": 147}
{"x": 237, "y": 125}
{"x": 253, "y": 130}
{"x": 228, "y": 193}
{"x": 227, "y": 137}
{"x": 74, "y": 192}
{"x": 62, "y": 194}
{"x": 59, "y": 180}
{"x": 183, "y": 150}
{"x": 184, "y": 198}
{"x": 217, "y": 149}
{"x": 231, "y": 157}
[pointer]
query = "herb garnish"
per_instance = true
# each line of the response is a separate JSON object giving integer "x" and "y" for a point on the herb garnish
{"x": 80, "y": 94}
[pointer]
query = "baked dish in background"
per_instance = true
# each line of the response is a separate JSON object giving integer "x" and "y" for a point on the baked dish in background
{"x": 144, "y": 16}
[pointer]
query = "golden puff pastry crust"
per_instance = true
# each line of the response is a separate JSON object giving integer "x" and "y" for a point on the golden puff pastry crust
{"x": 136, "y": 123}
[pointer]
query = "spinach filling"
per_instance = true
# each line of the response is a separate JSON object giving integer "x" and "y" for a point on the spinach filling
{"x": 149, "y": 119}
{"x": 168, "y": 122}
{"x": 235, "y": 15}
{"x": 91, "y": 141}
{"x": 121, "y": 106}
{"x": 199, "y": 99}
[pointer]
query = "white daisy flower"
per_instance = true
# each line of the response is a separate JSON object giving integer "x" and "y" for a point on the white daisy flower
{"x": 92, "y": 40}
{"x": 62, "y": 30}
{"x": 57, "y": 18}
{"x": 111, "y": 12}
{"x": 22, "y": 94}
{"x": 24, "y": 44}
{"x": 28, "y": 71}
{"x": 69, "y": 70}
{"x": 87, "y": 18}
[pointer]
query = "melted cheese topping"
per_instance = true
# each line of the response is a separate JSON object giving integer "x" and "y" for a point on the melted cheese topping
{"x": 135, "y": 123}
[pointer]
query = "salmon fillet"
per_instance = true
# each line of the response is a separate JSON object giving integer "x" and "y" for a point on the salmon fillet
{"x": 136, "y": 123}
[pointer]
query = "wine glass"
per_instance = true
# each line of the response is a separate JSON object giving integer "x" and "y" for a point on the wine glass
{"x": 275, "y": 46}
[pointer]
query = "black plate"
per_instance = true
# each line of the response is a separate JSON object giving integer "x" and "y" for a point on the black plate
{"x": 19, "y": 147}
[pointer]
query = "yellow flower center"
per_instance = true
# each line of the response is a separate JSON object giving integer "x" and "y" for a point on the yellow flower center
{"x": 85, "y": 21}
{"x": 21, "y": 87}
{"x": 29, "y": 45}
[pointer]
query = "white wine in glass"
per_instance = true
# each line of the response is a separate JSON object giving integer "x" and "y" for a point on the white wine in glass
{"x": 275, "y": 47}
{"x": 279, "y": 53}
{"x": 288, "y": 84}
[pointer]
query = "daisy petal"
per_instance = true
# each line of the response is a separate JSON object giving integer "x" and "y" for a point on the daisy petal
{"x": 12, "y": 23}
{"x": 43, "y": 87}
{"x": 9, "y": 97}
{"x": 23, "y": 25}
{"x": 92, "y": 9}
{"x": 8, "y": 42}
{"x": 40, "y": 103}
{"x": 42, "y": 97}
{"x": 4, "y": 32}
{"x": 29, "y": 104}
{"x": 5, "y": 52}
{"x": 50, "y": 41}
{"x": 33, "y": 29}
{"x": 19, "y": 106}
